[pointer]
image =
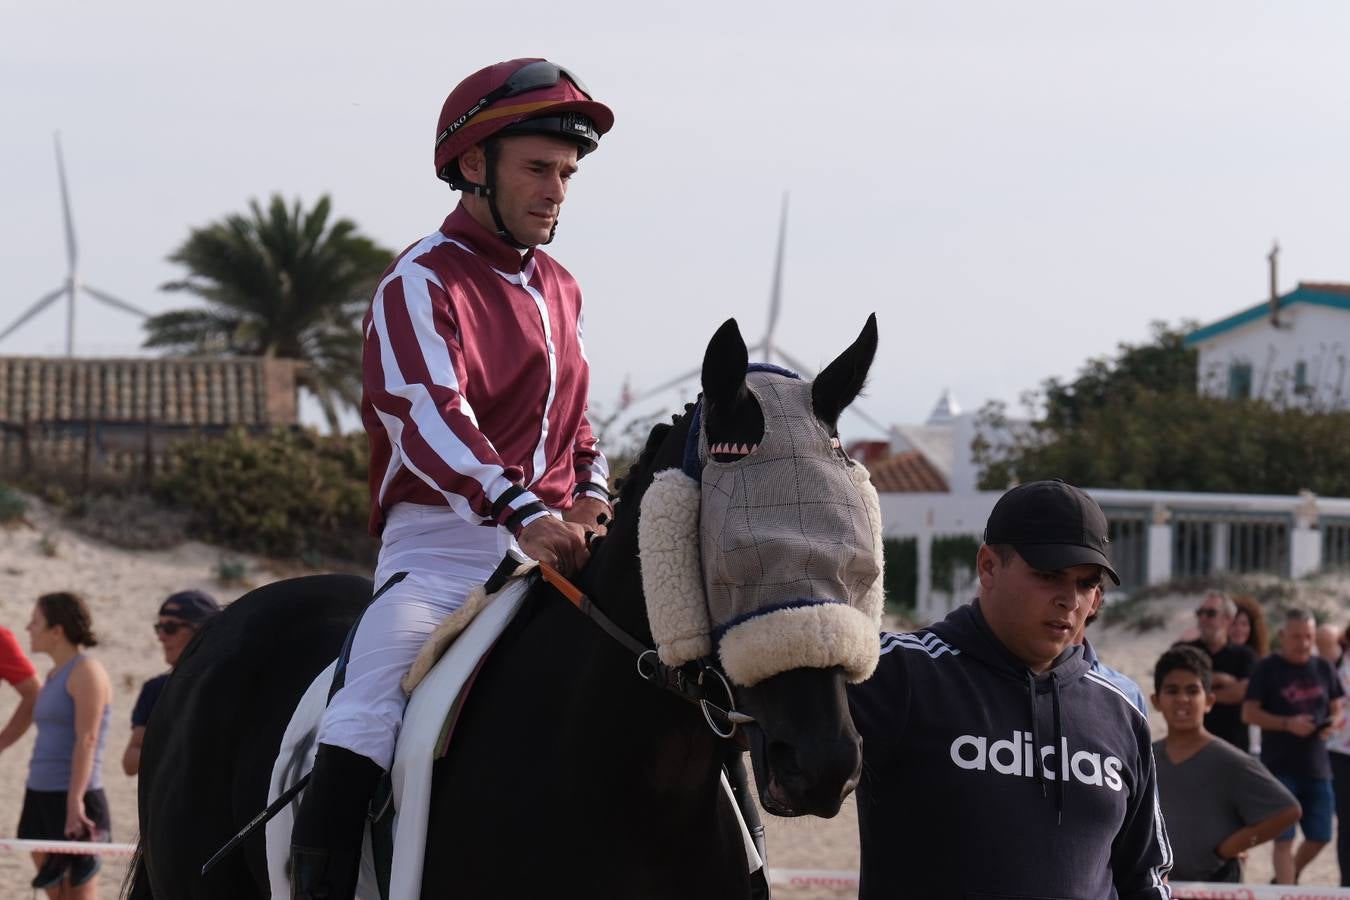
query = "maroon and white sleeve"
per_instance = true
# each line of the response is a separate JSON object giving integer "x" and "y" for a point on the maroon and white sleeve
{"x": 412, "y": 376}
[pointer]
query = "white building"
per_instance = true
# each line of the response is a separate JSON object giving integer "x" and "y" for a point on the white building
{"x": 926, "y": 479}
{"x": 1291, "y": 351}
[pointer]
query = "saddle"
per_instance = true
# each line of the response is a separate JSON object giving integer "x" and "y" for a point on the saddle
{"x": 391, "y": 866}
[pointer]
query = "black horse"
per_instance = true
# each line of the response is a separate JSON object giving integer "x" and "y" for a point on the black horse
{"x": 568, "y": 773}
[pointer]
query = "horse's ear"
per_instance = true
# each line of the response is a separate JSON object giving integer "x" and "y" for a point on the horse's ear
{"x": 838, "y": 385}
{"x": 724, "y": 367}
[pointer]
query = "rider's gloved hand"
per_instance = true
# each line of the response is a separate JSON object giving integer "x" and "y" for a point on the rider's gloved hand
{"x": 554, "y": 542}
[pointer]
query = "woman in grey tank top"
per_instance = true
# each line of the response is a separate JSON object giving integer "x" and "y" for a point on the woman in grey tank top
{"x": 64, "y": 797}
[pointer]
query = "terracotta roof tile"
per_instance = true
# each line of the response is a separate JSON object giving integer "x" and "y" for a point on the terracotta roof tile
{"x": 909, "y": 472}
{"x": 869, "y": 452}
{"x": 247, "y": 391}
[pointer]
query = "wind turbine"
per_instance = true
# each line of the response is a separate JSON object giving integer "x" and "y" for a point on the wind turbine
{"x": 767, "y": 349}
{"x": 72, "y": 284}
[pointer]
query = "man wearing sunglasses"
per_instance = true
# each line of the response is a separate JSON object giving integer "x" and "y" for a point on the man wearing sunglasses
{"x": 1233, "y": 664}
{"x": 474, "y": 400}
{"x": 179, "y": 618}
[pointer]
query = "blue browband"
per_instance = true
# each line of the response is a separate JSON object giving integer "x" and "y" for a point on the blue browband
{"x": 693, "y": 462}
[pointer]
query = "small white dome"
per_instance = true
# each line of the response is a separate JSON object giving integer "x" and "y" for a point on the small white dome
{"x": 946, "y": 409}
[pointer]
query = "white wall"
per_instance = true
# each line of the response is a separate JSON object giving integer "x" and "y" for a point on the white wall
{"x": 926, "y": 516}
{"x": 1316, "y": 335}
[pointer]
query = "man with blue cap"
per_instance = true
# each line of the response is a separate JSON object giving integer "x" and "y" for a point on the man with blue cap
{"x": 180, "y": 616}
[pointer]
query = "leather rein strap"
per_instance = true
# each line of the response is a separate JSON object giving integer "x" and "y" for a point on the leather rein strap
{"x": 691, "y": 681}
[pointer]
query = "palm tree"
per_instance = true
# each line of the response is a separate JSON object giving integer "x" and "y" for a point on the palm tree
{"x": 279, "y": 283}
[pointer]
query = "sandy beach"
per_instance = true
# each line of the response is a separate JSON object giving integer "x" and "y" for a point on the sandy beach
{"x": 124, "y": 589}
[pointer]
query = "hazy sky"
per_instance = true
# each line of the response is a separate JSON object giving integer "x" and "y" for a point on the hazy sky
{"x": 1011, "y": 187}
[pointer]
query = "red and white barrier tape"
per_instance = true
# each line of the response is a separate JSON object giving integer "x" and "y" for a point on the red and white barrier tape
{"x": 819, "y": 878}
{"x": 847, "y": 880}
{"x": 81, "y": 848}
{"x": 842, "y": 878}
{"x": 1197, "y": 891}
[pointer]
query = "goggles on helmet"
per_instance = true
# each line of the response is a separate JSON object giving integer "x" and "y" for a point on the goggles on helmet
{"x": 532, "y": 77}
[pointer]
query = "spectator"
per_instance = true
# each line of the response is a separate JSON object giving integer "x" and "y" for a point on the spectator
{"x": 18, "y": 670}
{"x": 1233, "y": 664}
{"x": 1119, "y": 679}
{"x": 1249, "y": 626}
{"x": 1338, "y": 752}
{"x": 1327, "y": 639}
{"x": 1295, "y": 698}
{"x": 64, "y": 796}
{"x": 1218, "y": 801}
{"x": 180, "y": 616}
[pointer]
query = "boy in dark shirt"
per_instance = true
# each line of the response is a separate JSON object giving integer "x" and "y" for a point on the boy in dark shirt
{"x": 1218, "y": 801}
{"x": 1295, "y": 698}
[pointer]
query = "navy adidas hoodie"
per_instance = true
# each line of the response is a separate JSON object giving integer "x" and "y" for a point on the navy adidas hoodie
{"x": 983, "y": 780}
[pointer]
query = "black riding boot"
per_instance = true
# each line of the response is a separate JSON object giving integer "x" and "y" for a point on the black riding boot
{"x": 330, "y": 827}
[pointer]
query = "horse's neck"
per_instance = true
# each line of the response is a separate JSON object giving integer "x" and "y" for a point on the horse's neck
{"x": 667, "y": 732}
{"x": 613, "y": 579}
{"x": 614, "y": 772}
{"x": 613, "y": 582}
{"x": 622, "y": 742}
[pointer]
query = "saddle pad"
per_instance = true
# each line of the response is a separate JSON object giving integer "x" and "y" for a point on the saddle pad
{"x": 413, "y": 756}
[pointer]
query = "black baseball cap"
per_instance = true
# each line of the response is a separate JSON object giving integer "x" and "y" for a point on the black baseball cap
{"x": 1052, "y": 525}
{"x": 193, "y": 607}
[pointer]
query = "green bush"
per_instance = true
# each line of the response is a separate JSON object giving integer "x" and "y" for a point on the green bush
{"x": 229, "y": 571}
{"x": 901, "y": 579}
{"x": 288, "y": 493}
{"x": 949, "y": 554}
{"x": 132, "y": 521}
{"x": 12, "y": 505}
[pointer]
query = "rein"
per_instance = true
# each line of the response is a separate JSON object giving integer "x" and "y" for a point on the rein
{"x": 691, "y": 681}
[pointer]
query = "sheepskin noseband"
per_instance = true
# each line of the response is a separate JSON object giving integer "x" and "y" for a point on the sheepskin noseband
{"x": 774, "y": 560}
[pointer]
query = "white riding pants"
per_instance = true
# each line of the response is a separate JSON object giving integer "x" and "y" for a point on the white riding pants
{"x": 445, "y": 558}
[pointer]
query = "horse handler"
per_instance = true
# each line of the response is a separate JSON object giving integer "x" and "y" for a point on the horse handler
{"x": 474, "y": 400}
{"x": 996, "y": 763}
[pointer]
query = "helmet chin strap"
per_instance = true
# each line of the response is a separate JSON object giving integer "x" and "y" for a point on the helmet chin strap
{"x": 489, "y": 192}
{"x": 490, "y": 157}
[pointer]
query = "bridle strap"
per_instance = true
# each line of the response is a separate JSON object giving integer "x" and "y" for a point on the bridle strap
{"x": 591, "y": 611}
{"x": 687, "y": 684}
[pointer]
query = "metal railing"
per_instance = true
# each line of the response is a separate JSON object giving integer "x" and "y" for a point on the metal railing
{"x": 1128, "y": 534}
{"x": 1335, "y": 542}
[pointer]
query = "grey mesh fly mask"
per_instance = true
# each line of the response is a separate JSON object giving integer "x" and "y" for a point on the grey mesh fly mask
{"x": 771, "y": 561}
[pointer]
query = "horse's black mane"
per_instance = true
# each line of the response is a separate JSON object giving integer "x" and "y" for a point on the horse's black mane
{"x": 628, "y": 484}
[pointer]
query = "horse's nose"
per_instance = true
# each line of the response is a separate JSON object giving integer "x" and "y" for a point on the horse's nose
{"x": 815, "y": 776}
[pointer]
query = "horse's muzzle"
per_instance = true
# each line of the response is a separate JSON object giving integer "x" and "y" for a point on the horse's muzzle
{"x": 810, "y": 777}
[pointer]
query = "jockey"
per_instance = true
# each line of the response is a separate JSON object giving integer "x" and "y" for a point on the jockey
{"x": 474, "y": 400}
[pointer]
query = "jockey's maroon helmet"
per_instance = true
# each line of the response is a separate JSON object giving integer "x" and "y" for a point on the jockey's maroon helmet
{"x": 519, "y": 96}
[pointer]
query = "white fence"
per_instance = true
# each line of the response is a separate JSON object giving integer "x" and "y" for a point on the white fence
{"x": 1155, "y": 535}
